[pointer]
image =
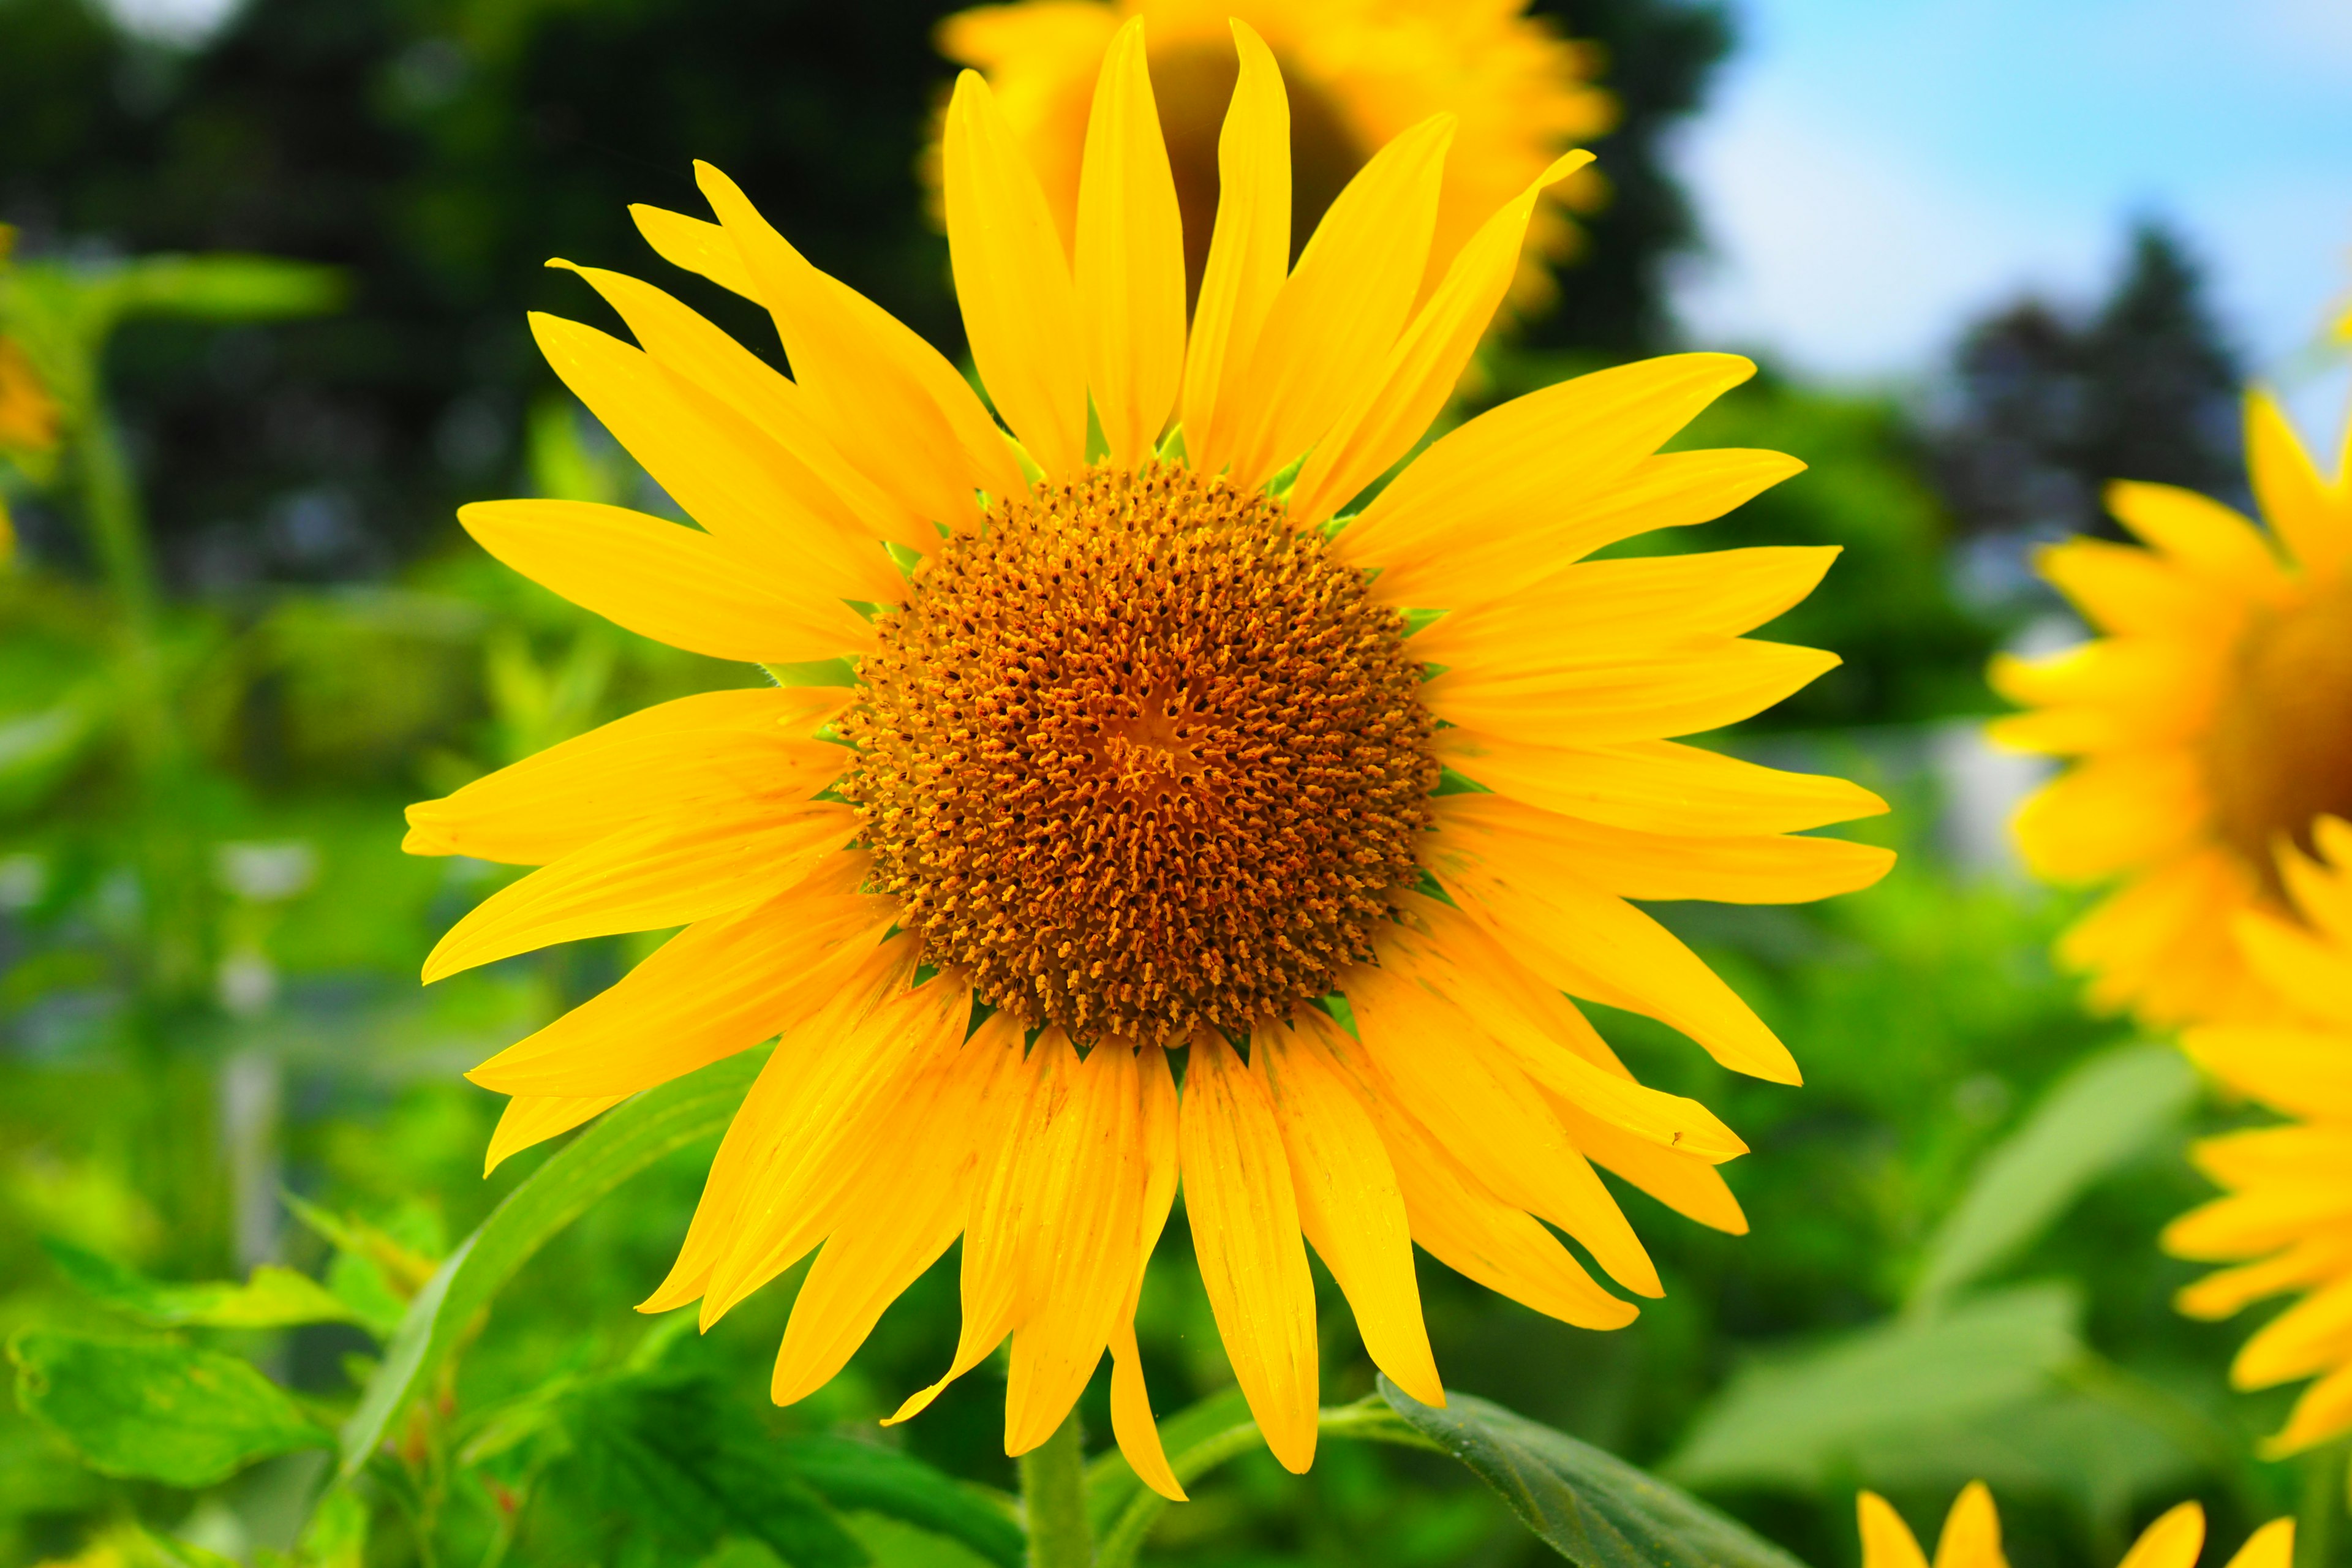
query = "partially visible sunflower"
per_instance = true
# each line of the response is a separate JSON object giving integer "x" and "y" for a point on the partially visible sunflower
{"x": 1972, "y": 1538}
{"x": 29, "y": 419}
{"x": 2211, "y": 724}
{"x": 2287, "y": 1222}
{"x": 1360, "y": 72}
{"x": 1134, "y": 762}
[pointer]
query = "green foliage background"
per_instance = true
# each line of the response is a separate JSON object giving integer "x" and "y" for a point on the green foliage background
{"x": 214, "y": 1054}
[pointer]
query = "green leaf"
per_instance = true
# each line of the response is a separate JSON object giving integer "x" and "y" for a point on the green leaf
{"x": 2095, "y": 1118}
{"x": 853, "y": 1476}
{"x": 228, "y": 287}
{"x": 1111, "y": 1485}
{"x": 892, "y": 1544}
{"x": 624, "y": 1141}
{"x": 157, "y": 1411}
{"x": 1591, "y": 1508}
{"x": 274, "y": 1298}
{"x": 1803, "y": 1419}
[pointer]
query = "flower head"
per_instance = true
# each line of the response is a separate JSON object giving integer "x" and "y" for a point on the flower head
{"x": 1971, "y": 1537}
{"x": 1136, "y": 760}
{"x": 2211, "y": 725}
{"x": 1360, "y": 73}
{"x": 2282, "y": 1223}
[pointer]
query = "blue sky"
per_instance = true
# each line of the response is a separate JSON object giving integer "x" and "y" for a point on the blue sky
{"x": 1873, "y": 171}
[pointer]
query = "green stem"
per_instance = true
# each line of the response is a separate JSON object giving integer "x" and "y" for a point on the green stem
{"x": 117, "y": 521}
{"x": 2320, "y": 1511}
{"x": 1054, "y": 1493}
{"x": 1368, "y": 1420}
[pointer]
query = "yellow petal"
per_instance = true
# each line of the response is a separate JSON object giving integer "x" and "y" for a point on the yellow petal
{"x": 1013, "y": 282}
{"x": 2295, "y": 1153}
{"x": 531, "y": 1119}
{"x": 1394, "y": 406}
{"x": 2315, "y": 977}
{"x": 2173, "y": 1542}
{"x": 2323, "y": 895}
{"x": 1513, "y": 478}
{"x": 1887, "y": 1541}
{"x": 1349, "y": 1204}
{"x": 1593, "y": 612}
{"x": 1130, "y": 257}
{"x": 2250, "y": 1225}
{"x": 2202, "y": 534}
{"x": 2110, "y": 813}
{"x": 1749, "y": 869}
{"x": 1684, "y": 1183}
{"x": 2124, "y": 589}
{"x": 1585, "y": 942}
{"x": 663, "y": 872}
{"x": 648, "y": 763}
{"x": 2304, "y": 1072}
{"x": 893, "y": 407}
{"x": 846, "y": 511}
{"x": 2311, "y": 517}
{"x": 1334, "y": 319}
{"x": 1971, "y": 1537}
{"x": 695, "y": 245}
{"x": 1657, "y": 786}
{"x": 907, "y": 1207}
{"x": 1648, "y": 695}
{"x": 2313, "y": 1335}
{"x": 2227, "y": 1291}
{"x": 1130, "y": 1417}
{"x": 1084, "y": 1259}
{"x": 1238, "y": 1196}
{"x": 713, "y": 462}
{"x": 2323, "y": 1411}
{"x": 1131, "y": 1422}
{"x": 1476, "y": 1100}
{"x": 719, "y": 987}
{"x": 2272, "y": 1546}
{"x": 1249, "y": 252}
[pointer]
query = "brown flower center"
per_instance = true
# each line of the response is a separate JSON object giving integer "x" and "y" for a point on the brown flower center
{"x": 2280, "y": 752}
{"x": 1137, "y": 758}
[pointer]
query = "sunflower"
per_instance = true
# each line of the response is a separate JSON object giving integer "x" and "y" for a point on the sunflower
{"x": 1132, "y": 762}
{"x": 1360, "y": 73}
{"x": 2210, "y": 725}
{"x": 2284, "y": 1222}
{"x": 1971, "y": 1537}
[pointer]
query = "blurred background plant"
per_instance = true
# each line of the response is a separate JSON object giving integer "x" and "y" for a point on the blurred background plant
{"x": 239, "y": 631}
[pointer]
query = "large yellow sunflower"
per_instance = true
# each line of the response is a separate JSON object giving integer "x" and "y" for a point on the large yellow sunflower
{"x": 2287, "y": 1222}
{"x": 1133, "y": 764}
{"x": 2211, "y": 724}
{"x": 1972, "y": 1538}
{"x": 1359, "y": 74}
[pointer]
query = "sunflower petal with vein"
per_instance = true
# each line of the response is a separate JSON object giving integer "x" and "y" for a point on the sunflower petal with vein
{"x": 1142, "y": 774}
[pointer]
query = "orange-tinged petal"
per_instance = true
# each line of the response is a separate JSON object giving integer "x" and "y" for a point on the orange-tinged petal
{"x": 719, "y": 987}
{"x": 2311, "y": 517}
{"x": 1657, "y": 786}
{"x": 693, "y": 245}
{"x": 2173, "y": 1542}
{"x": 1349, "y": 1204}
{"x": 1239, "y": 1196}
{"x": 648, "y": 763}
{"x": 1649, "y": 695}
{"x": 664, "y": 872}
{"x": 1684, "y": 1183}
{"x": 1887, "y": 1541}
{"x": 1131, "y": 1423}
{"x": 531, "y": 1119}
{"x": 1513, "y": 478}
{"x": 846, "y": 511}
{"x": 674, "y": 584}
{"x": 1595, "y": 612}
{"x": 893, "y": 407}
{"x": 1394, "y": 406}
{"x": 1249, "y": 252}
{"x": 1013, "y": 282}
{"x": 1334, "y": 319}
{"x": 1130, "y": 257}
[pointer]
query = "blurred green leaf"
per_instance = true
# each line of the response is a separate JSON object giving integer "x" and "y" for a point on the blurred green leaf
{"x": 157, "y": 1410}
{"x": 1591, "y": 1507}
{"x": 893, "y": 1543}
{"x": 622, "y": 1142}
{"x": 38, "y": 748}
{"x": 853, "y": 1476}
{"x": 337, "y": 1535}
{"x": 273, "y": 1298}
{"x": 1112, "y": 1484}
{"x": 1800, "y": 1418}
{"x": 2098, "y": 1116}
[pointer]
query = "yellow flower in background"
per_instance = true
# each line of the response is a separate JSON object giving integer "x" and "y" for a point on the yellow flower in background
{"x": 1135, "y": 757}
{"x": 1360, "y": 73}
{"x": 28, "y": 415}
{"x": 2211, "y": 724}
{"x": 2284, "y": 1220}
{"x": 1972, "y": 1538}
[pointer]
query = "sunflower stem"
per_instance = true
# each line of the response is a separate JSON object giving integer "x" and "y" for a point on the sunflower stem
{"x": 1054, "y": 1496}
{"x": 2320, "y": 1515}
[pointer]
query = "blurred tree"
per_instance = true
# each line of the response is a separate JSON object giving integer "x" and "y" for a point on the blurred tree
{"x": 2050, "y": 409}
